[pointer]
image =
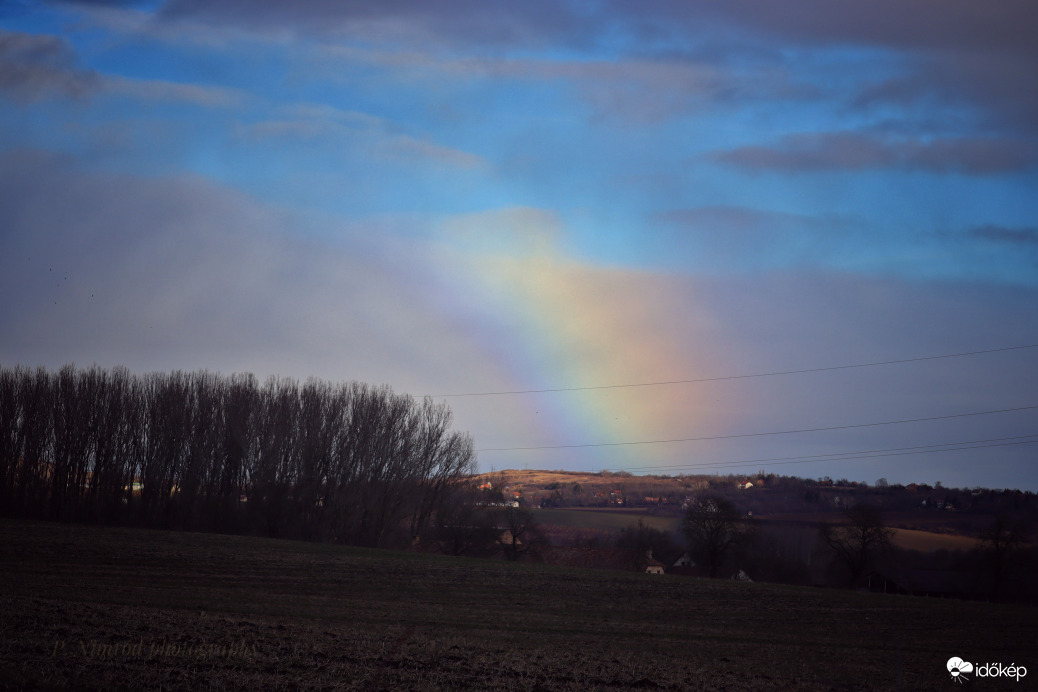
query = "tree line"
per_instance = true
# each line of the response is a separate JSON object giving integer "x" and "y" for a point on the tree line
{"x": 347, "y": 462}
{"x": 857, "y": 551}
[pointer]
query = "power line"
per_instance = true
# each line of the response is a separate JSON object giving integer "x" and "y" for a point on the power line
{"x": 851, "y": 456}
{"x": 760, "y": 434}
{"x": 855, "y": 458}
{"x": 740, "y": 377}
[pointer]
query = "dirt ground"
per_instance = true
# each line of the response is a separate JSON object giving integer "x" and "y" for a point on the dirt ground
{"x": 96, "y": 608}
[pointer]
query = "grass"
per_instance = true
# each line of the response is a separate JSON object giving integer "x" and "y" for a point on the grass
{"x": 603, "y": 519}
{"x": 99, "y": 608}
{"x": 924, "y": 541}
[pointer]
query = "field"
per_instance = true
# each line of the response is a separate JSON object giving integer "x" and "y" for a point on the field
{"x": 603, "y": 519}
{"x": 612, "y": 520}
{"x": 99, "y": 608}
{"x": 917, "y": 529}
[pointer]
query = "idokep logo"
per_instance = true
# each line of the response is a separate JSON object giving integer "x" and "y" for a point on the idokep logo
{"x": 958, "y": 668}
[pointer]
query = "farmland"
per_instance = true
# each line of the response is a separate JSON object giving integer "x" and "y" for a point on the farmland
{"x": 594, "y": 508}
{"x": 96, "y": 607}
{"x": 609, "y": 521}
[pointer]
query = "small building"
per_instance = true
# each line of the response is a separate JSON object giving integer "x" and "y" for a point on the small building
{"x": 684, "y": 561}
{"x": 651, "y": 565}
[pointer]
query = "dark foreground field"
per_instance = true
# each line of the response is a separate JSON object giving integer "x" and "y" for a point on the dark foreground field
{"x": 103, "y": 608}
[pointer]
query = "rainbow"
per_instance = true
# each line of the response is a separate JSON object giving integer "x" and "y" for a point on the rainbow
{"x": 550, "y": 322}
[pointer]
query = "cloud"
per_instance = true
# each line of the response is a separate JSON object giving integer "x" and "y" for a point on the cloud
{"x": 964, "y": 50}
{"x": 911, "y": 25}
{"x": 1022, "y": 236}
{"x": 738, "y": 237}
{"x": 518, "y": 231}
{"x": 483, "y": 22}
{"x": 570, "y": 324}
{"x": 320, "y": 124}
{"x": 739, "y": 219}
{"x": 160, "y": 90}
{"x": 642, "y": 90}
{"x": 960, "y": 25}
{"x": 997, "y": 86}
{"x": 35, "y": 66}
{"x": 850, "y": 151}
{"x": 960, "y": 52}
{"x": 635, "y": 89}
{"x": 176, "y": 272}
{"x": 965, "y": 53}
{"x": 408, "y": 147}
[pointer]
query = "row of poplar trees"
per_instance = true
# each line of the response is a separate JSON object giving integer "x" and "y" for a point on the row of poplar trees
{"x": 350, "y": 463}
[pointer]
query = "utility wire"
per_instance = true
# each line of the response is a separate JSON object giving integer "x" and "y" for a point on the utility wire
{"x": 760, "y": 434}
{"x": 739, "y": 377}
{"x": 846, "y": 456}
{"x": 852, "y": 458}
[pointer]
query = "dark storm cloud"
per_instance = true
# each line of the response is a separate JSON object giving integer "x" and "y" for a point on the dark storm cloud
{"x": 34, "y": 66}
{"x": 855, "y": 152}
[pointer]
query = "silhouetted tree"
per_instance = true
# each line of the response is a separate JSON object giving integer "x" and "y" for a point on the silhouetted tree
{"x": 463, "y": 524}
{"x": 858, "y": 542}
{"x": 348, "y": 462}
{"x": 639, "y": 538}
{"x": 517, "y": 531}
{"x": 714, "y": 529}
{"x": 999, "y": 542}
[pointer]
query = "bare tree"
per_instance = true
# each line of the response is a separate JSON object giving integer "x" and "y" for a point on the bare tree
{"x": 638, "y": 539}
{"x": 275, "y": 468}
{"x": 999, "y": 542}
{"x": 858, "y": 542}
{"x": 714, "y": 529}
{"x": 350, "y": 462}
{"x": 11, "y": 406}
{"x": 442, "y": 460}
{"x": 73, "y": 402}
{"x": 35, "y": 442}
{"x": 463, "y": 525}
{"x": 518, "y": 532}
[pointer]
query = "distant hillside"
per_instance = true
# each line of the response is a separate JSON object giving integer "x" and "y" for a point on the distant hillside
{"x": 769, "y": 497}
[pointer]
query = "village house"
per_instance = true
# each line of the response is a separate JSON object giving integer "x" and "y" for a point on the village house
{"x": 650, "y": 565}
{"x": 685, "y": 560}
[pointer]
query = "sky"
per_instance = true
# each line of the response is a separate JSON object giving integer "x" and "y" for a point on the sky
{"x": 521, "y": 208}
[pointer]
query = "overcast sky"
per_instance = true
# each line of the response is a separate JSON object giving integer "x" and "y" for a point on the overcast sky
{"x": 479, "y": 196}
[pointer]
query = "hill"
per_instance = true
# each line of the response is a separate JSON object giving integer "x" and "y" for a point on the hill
{"x": 776, "y": 499}
{"x": 100, "y": 607}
